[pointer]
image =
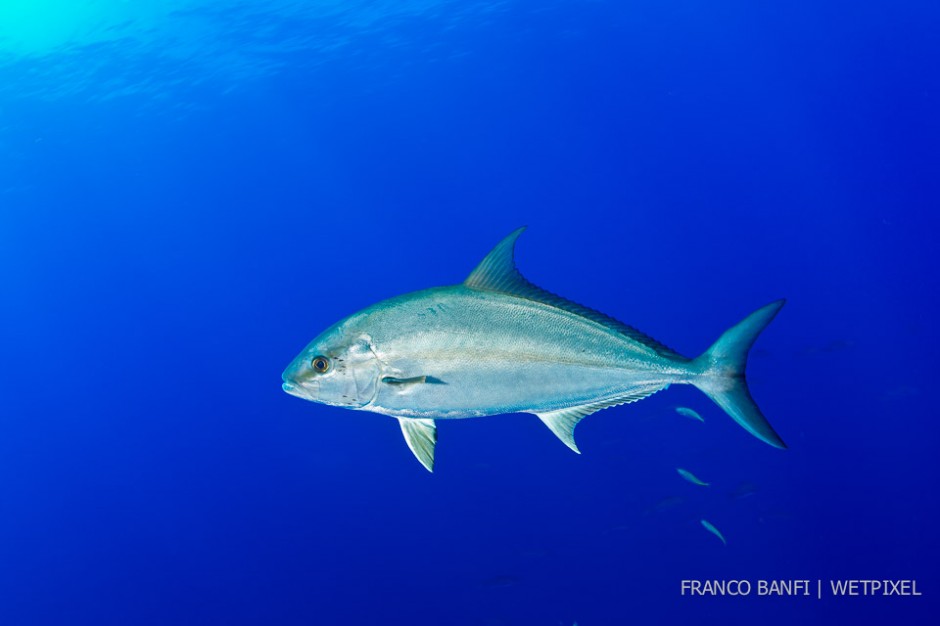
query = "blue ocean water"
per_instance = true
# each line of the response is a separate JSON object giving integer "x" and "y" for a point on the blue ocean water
{"x": 192, "y": 190}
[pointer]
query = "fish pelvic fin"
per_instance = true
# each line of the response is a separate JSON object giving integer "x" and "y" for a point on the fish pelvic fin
{"x": 421, "y": 437}
{"x": 562, "y": 421}
{"x": 720, "y": 373}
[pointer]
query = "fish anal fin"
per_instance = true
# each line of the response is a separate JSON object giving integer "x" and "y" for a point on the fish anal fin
{"x": 421, "y": 437}
{"x": 498, "y": 272}
{"x": 563, "y": 421}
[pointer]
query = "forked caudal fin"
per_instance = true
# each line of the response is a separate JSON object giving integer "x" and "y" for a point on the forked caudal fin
{"x": 721, "y": 373}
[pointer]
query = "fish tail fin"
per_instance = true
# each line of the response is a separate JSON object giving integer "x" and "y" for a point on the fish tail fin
{"x": 720, "y": 373}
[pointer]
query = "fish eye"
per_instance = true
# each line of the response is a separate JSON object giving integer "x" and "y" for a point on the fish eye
{"x": 320, "y": 364}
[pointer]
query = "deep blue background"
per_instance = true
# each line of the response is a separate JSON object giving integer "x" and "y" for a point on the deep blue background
{"x": 170, "y": 238}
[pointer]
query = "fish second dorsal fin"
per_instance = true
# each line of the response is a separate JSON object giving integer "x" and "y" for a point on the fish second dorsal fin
{"x": 421, "y": 437}
{"x": 498, "y": 272}
{"x": 562, "y": 421}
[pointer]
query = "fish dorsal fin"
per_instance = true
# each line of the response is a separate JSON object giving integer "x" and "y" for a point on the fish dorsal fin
{"x": 563, "y": 421}
{"x": 498, "y": 272}
{"x": 421, "y": 437}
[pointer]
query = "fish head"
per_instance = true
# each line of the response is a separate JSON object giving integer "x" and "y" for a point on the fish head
{"x": 338, "y": 368}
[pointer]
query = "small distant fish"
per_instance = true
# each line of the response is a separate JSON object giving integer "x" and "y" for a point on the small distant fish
{"x": 900, "y": 392}
{"x": 499, "y": 582}
{"x": 744, "y": 490}
{"x": 692, "y": 478}
{"x": 836, "y": 345}
{"x": 775, "y": 514}
{"x": 710, "y": 528}
{"x": 619, "y": 528}
{"x": 687, "y": 412}
{"x": 664, "y": 505}
{"x": 535, "y": 553}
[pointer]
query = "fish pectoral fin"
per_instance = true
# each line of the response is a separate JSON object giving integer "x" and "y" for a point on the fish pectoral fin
{"x": 563, "y": 421}
{"x": 414, "y": 380}
{"x": 421, "y": 437}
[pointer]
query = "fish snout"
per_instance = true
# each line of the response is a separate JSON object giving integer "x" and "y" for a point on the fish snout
{"x": 301, "y": 391}
{"x": 296, "y": 384}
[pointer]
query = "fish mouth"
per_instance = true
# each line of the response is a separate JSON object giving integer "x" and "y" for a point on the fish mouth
{"x": 297, "y": 390}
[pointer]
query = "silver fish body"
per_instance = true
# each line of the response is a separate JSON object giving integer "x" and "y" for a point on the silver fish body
{"x": 491, "y": 354}
{"x": 498, "y": 344}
